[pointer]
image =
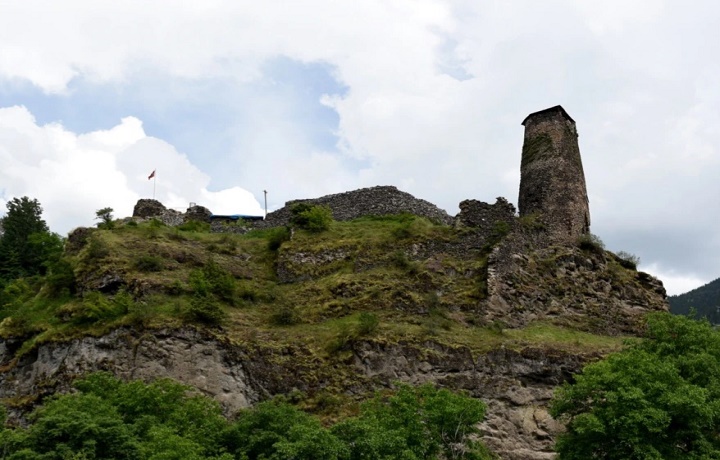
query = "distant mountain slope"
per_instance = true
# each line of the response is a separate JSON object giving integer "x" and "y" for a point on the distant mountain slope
{"x": 705, "y": 300}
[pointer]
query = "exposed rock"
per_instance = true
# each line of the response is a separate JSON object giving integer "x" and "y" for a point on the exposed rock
{"x": 516, "y": 385}
{"x": 77, "y": 239}
{"x": 146, "y": 208}
{"x": 184, "y": 355}
{"x": 199, "y": 213}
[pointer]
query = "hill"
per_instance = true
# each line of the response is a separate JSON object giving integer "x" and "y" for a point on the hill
{"x": 705, "y": 300}
{"x": 329, "y": 317}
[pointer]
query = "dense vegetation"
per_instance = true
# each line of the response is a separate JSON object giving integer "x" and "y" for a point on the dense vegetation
{"x": 315, "y": 290}
{"x": 705, "y": 301}
{"x": 657, "y": 399}
{"x": 109, "y": 419}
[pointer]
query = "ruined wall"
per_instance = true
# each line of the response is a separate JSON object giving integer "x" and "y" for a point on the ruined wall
{"x": 372, "y": 201}
{"x": 552, "y": 181}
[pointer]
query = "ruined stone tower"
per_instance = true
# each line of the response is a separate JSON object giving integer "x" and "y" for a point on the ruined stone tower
{"x": 552, "y": 181}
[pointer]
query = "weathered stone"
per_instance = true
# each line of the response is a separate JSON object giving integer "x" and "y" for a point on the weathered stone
{"x": 147, "y": 208}
{"x": 199, "y": 213}
{"x": 373, "y": 201}
{"x": 552, "y": 181}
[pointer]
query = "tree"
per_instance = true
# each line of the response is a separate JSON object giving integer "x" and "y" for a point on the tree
{"x": 26, "y": 245}
{"x": 105, "y": 215}
{"x": 657, "y": 399}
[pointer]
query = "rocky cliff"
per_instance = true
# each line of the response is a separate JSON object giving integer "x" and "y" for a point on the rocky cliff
{"x": 485, "y": 305}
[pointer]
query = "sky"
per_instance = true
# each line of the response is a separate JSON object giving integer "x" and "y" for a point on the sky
{"x": 226, "y": 99}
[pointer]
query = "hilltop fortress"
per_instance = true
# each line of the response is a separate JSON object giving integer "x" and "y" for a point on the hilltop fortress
{"x": 526, "y": 253}
{"x": 491, "y": 301}
{"x": 552, "y": 190}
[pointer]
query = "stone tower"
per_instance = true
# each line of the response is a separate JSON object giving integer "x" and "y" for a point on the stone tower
{"x": 552, "y": 181}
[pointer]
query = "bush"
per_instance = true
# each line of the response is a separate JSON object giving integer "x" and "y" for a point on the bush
{"x": 591, "y": 243}
{"x": 628, "y": 260}
{"x": 277, "y": 236}
{"x": 97, "y": 249}
{"x": 148, "y": 263}
{"x": 205, "y": 310}
{"x": 367, "y": 323}
{"x": 285, "y": 316}
{"x": 213, "y": 279}
{"x": 312, "y": 218}
{"x": 61, "y": 278}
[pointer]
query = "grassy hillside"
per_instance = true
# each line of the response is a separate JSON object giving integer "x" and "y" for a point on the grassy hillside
{"x": 301, "y": 301}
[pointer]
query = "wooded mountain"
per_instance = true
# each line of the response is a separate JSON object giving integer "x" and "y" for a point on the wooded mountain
{"x": 705, "y": 300}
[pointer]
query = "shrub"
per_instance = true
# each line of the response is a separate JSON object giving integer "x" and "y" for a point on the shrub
{"x": 213, "y": 279}
{"x": 367, "y": 323}
{"x": 285, "y": 316}
{"x": 205, "y": 310}
{"x": 148, "y": 263}
{"x": 310, "y": 217}
{"x": 628, "y": 260}
{"x": 106, "y": 217}
{"x": 277, "y": 236}
{"x": 591, "y": 243}
{"x": 61, "y": 277}
{"x": 97, "y": 249}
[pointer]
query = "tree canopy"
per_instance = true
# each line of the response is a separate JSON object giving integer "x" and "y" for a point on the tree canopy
{"x": 26, "y": 244}
{"x": 109, "y": 419}
{"x": 657, "y": 399}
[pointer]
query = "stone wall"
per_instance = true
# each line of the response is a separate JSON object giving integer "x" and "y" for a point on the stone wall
{"x": 373, "y": 201}
{"x": 552, "y": 181}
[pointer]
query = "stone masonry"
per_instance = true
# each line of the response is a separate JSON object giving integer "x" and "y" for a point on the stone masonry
{"x": 552, "y": 181}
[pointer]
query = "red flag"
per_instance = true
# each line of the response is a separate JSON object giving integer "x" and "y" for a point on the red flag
{"x": 152, "y": 174}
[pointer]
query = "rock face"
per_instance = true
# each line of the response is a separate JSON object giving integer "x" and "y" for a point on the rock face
{"x": 589, "y": 290}
{"x": 184, "y": 355}
{"x": 516, "y": 385}
{"x": 199, "y": 213}
{"x": 373, "y": 201}
{"x": 147, "y": 208}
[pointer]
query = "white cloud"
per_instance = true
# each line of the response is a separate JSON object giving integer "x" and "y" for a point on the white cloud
{"x": 73, "y": 175}
{"x": 640, "y": 79}
{"x": 676, "y": 283}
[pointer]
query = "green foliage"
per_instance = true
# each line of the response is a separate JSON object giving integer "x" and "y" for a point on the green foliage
{"x": 313, "y": 218}
{"x": 109, "y": 419}
{"x": 195, "y": 226}
{"x": 26, "y": 245}
{"x": 591, "y": 243}
{"x": 97, "y": 249}
{"x": 367, "y": 323}
{"x": 702, "y": 301}
{"x": 61, "y": 278}
{"x": 213, "y": 279}
{"x": 285, "y": 315}
{"x": 148, "y": 263}
{"x": 106, "y": 218}
{"x": 415, "y": 423}
{"x": 96, "y": 307}
{"x": 205, "y": 310}
{"x": 628, "y": 260}
{"x": 657, "y": 399}
{"x": 277, "y": 236}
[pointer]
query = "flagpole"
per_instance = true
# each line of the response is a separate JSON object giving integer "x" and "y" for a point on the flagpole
{"x": 154, "y": 180}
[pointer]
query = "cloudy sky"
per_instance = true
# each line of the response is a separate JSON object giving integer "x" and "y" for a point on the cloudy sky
{"x": 226, "y": 99}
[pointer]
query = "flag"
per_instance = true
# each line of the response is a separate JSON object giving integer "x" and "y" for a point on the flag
{"x": 152, "y": 174}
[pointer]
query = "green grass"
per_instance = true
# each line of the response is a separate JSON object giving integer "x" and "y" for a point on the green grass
{"x": 410, "y": 299}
